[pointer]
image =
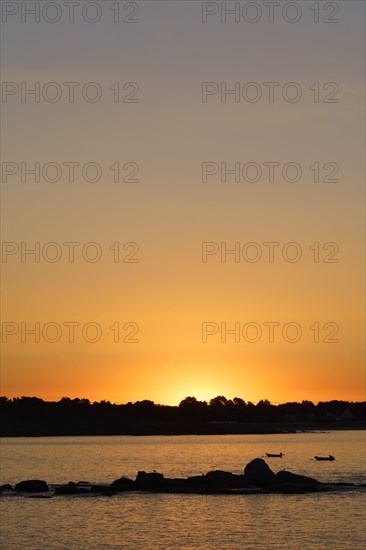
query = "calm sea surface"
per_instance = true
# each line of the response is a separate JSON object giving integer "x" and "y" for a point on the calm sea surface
{"x": 133, "y": 520}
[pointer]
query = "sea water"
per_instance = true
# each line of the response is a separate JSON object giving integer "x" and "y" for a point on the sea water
{"x": 165, "y": 521}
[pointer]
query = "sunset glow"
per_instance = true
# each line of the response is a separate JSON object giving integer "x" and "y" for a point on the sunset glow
{"x": 220, "y": 252}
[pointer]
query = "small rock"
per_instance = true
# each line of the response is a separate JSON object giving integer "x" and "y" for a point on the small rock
{"x": 6, "y": 487}
{"x": 257, "y": 471}
{"x": 70, "y": 488}
{"x": 218, "y": 474}
{"x": 123, "y": 484}
{"x": 149, "y": 480}
{"x": 32, "y": 486}
{"x": 289, "y": 477}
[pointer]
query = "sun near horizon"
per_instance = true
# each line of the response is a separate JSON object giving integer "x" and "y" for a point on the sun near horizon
{"x": 185, "y": 268}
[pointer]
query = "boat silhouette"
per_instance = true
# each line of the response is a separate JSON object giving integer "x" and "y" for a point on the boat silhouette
{"x": 330, "y": 457}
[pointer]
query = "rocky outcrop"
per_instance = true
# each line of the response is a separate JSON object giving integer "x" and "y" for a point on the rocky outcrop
{"x": 71, "y": 488}
{"x": 218, "y": 475}
{"x": 105, "y": 490}
{"x": 259, "y": 473}
{"x": 149, "y": 480}
{"x": 6, "y": 487}
{"x": 257, "y": 478}
{"x": 219, "y": 480}
{"x": 123, "y": 484}
{"x": 287, "y": 482}
{"x": 289, "y": 477}
{"x": 32, "y": 486}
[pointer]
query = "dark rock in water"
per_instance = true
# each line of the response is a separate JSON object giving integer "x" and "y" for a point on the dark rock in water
{"x": 70, "y": 488}
{"x": 289, "y": 483}
{"x": 105, "y": 490}
{"x": 6, "y": 487}
{"x": 218, "y": 474}
{"x": 197, "y": 482}
{"x": 173, "y": 484}
{"x": 32, "y": 486}
{"x": 289, "y": 477}
{"x": 218, "y": 480}
{"x": 123, "y": 484}
{"x": 149, "y": 480}
{"x": 257, "y": 478}
{"x": 258, "y": 472}
{"x": 213, "y": 479}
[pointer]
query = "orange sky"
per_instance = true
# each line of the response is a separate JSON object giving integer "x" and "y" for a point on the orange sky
{"x": 162, "y": 290}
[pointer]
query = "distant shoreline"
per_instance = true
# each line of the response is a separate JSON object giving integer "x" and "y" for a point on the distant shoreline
{"x": 211, "y": 428}
{"x": 33, "y": 417}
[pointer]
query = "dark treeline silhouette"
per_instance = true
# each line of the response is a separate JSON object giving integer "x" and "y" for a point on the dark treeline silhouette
{"x": 31, "y": 416}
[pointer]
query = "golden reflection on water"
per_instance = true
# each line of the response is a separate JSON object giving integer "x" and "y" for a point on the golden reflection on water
{"x": 103, "y": 459}
{"x": 153, "y": 521}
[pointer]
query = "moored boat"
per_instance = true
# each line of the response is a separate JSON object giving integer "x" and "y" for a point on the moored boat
{"x": 275, "y": 455}
{"x": 330, "y": 457}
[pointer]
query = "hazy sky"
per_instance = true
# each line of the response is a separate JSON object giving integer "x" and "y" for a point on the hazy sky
{"x": 174, "y": 136}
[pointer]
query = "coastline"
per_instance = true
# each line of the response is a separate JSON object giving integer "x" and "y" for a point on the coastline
{"x": 199, "y": 429}
{"x": 257, "y": 477}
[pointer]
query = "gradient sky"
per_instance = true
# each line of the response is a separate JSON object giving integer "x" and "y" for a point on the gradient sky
{"x": 170, "y": 212}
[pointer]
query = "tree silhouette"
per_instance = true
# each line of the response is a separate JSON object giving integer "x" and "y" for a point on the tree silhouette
{"x": 32, "y": 416}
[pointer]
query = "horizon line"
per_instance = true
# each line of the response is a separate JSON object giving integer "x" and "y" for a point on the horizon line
{"x": 263, "y": 401}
